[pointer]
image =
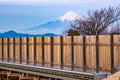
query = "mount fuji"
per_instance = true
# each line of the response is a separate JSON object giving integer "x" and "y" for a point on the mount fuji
{"x": 56, "y": 26}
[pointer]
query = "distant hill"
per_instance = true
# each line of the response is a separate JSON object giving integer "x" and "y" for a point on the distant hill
{"x": 12, "y": 33}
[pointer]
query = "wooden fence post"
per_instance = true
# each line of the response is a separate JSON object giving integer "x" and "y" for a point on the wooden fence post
{"x": 84, "y": 53}
{"x": 27, "y": 50}
{"x": 8, "y": 47}
{"x": 2, "y": 49}
{"x": 43, "y": 61}
{"x": 61, "y": 56}
{"x": 34, "y": 50}
{"x": 72, "y": 53}
{"x": 20, "y": 50}
{"x": 51, "y": 51}
{"x": 14, "y": 59}
{"x": 97, "y": 54}
{"x": 112, "y": 53}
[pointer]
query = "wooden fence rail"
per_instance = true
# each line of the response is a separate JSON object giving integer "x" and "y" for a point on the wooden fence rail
{"x": 94, "y": 53}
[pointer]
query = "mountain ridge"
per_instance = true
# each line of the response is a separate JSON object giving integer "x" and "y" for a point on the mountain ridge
{"x": 13, "y": 33}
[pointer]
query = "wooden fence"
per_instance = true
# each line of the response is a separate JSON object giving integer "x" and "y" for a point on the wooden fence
{"x": 94, "y": 53}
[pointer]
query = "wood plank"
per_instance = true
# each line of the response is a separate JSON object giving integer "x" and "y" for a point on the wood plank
{"x": 31, "y": 50}
{"x": 39, "y": 50}
{"x": 47, "y": 52}
{"x": 17, "y": 49}
{"x": 26, "y": 78}
{"x": 3, "y": 73}
{"x": 5, "y": 49}
{"x": 115, "y": 76}
{"x": 116, "y": 51}
{"x": 56, "y": 52}
{"x": 104, "y": 53}
{"x": 67, "y": 52}
{"x": 11, "y": 49}
{"x": 78, "y": 53}
{"x": 24, "y": 50}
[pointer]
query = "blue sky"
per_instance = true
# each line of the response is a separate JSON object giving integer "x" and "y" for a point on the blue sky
{"x": 22, "y": 14}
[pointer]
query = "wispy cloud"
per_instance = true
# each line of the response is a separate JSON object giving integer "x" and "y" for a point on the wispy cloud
{"x": 32, "y": 2}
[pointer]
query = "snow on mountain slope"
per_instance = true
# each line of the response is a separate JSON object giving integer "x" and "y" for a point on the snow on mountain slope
{"x": 69, "y": 16}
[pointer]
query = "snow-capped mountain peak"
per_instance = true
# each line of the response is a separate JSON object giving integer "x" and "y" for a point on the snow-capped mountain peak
{"x": 56, "y": 26}
{"x": 69, "y": 16}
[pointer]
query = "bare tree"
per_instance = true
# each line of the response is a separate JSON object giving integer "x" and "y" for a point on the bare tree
{"x": 115, "y": 29}
{"x": 97, "y": 21}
